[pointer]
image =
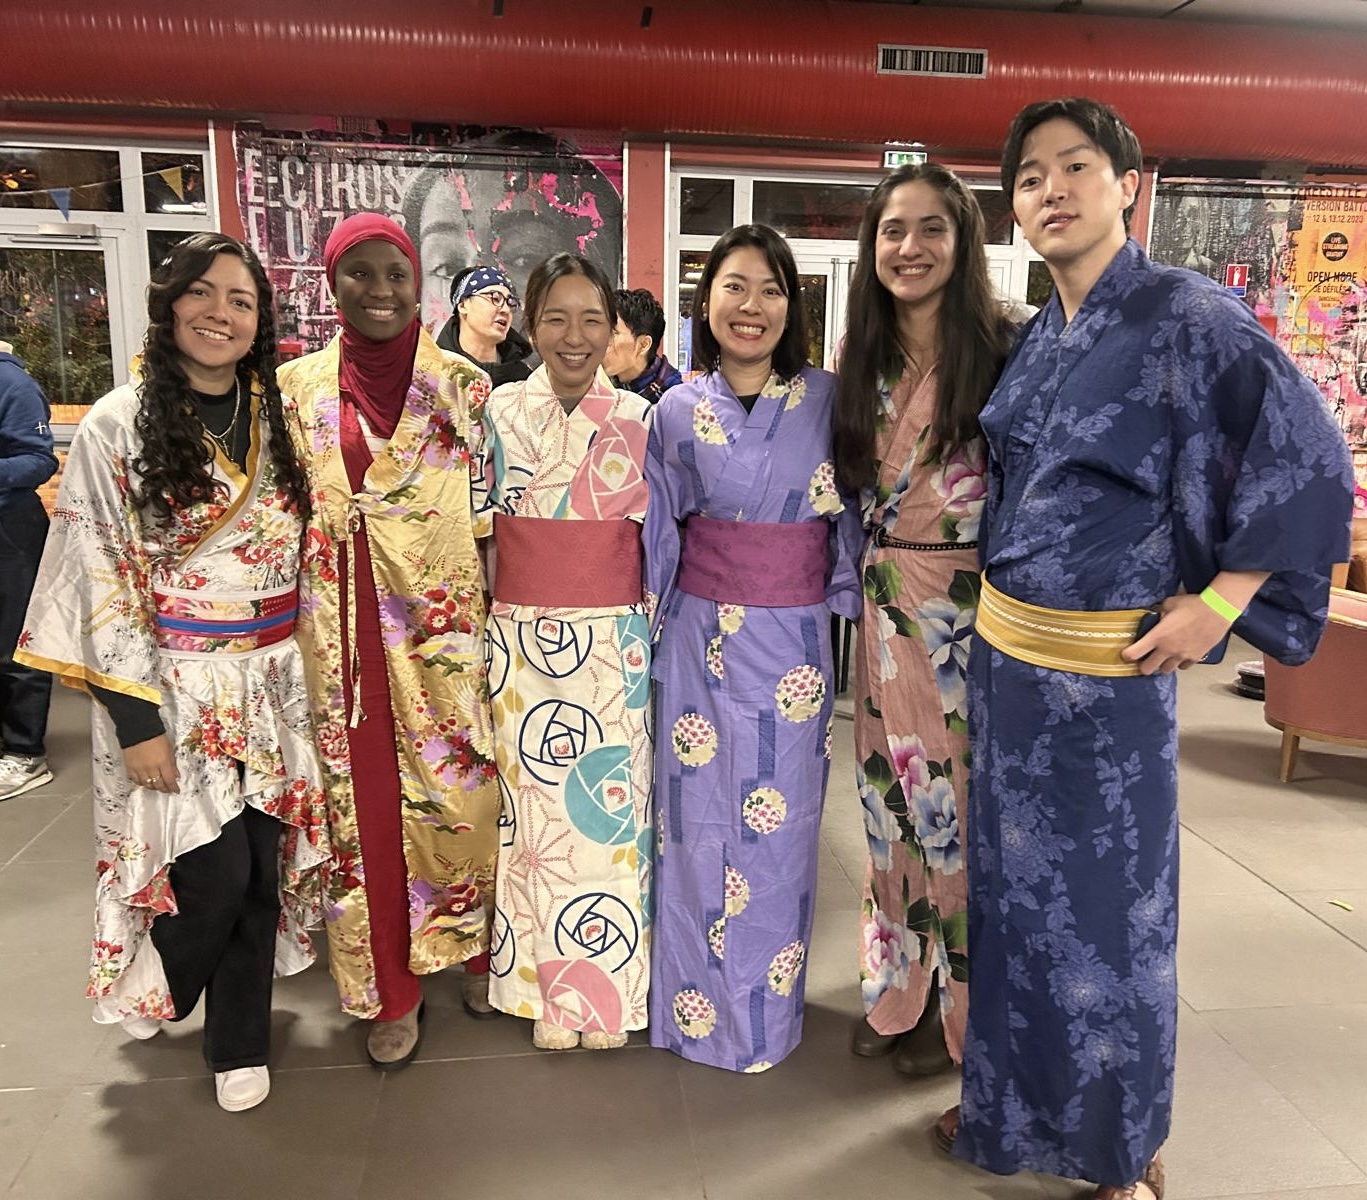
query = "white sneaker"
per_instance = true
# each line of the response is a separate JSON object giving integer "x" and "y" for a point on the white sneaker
{"x": 20, "y": 773}
{"x": 141, "y": 1028}
{"x": 242, "y": 1089}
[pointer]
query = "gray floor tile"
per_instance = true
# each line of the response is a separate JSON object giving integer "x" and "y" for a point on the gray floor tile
{"x": 580, "y": 1125}
{"x": 25, "y": 1114}
{"x": 47, "y": 906}
{"x": 69, "y": 838}
{"x": 825, "y": 1123}
{"x": 1305, "y": 847}
{"x": 1208, "y": 871}
{"x": 1234, "y": 1131}
{"x": 1355, "y": 1192}
{"x": 46, "y": 1035}
{"x": 1352, "y": 924}
{"x": 1258, "y": 951}
{"x": 170, "y": 1139}
{"x": 1316, "y": 1058}
{"x": 25, "y": 818}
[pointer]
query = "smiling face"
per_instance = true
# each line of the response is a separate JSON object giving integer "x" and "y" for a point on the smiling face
{"x": 571, "y": 334}
{"x": 215, "y": 324}
{"x": 376, "y": 290}
{"x": 1067, "y": 199}
{"x": 915, "y": 245}
{"x": 746, "y": 309}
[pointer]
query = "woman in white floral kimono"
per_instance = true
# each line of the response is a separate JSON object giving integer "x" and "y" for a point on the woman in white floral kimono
{"x": 168, "y": 591}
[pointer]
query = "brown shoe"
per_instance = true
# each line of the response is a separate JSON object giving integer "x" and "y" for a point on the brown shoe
{"x": 921, "y": 1051}
{"x": 392, "y": 1045}
{"x": 1149, "y": 1188}
{"x": 946, "y": 1129}
{"x": 474, "y": 996}
{"x": 867, "y": 1042}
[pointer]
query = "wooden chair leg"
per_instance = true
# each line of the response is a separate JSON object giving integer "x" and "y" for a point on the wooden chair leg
{"x": 1291, "y": 744}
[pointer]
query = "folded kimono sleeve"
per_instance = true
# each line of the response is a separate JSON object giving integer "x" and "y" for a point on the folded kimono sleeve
{"x": 671, "y": 499}
{"x": 90, "y": 616}
{"x": 844, "y": 593}
{"x": 1263, "y": 482}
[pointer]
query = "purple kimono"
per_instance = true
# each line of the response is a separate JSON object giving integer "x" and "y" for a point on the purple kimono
{"x": 743, "y": 714}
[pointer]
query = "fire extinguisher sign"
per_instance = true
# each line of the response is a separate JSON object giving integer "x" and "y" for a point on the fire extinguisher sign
{"x": 1236, "y": 278}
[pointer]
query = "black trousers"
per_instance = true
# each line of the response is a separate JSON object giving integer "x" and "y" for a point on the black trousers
{"x": 222, "y": 941}
{"x": 24, "y": 692}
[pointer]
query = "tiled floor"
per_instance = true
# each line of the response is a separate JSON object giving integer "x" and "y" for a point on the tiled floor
{"x": 1272, "y": 1077}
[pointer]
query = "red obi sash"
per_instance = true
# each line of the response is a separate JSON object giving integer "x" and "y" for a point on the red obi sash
{"x": 567, "y": 564}
{"x": 197, "y": 623}
{"x": 748, "y": 562}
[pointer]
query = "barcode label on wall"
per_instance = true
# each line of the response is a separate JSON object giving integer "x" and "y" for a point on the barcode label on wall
{"x": 932, "y": 60}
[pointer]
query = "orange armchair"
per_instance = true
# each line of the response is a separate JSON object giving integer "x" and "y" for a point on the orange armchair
{"x": 1326, "y": 699}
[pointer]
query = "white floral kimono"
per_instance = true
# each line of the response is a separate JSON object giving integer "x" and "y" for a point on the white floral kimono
{"x": 121, "y": 602}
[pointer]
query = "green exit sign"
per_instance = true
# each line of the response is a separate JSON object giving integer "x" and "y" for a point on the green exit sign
{"x": 903, "y": 158}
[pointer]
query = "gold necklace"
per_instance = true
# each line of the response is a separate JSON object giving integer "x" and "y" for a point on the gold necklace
{"x": 224, "y": 441}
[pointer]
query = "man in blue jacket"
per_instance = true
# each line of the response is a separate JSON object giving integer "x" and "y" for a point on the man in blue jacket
{"x": 26, "y": 463}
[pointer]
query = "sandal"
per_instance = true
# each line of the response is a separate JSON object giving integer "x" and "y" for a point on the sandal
{"x": 946, "y": 1128}
{"x": 1154, "y": 1179}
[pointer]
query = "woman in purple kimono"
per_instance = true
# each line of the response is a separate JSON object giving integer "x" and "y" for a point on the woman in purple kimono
{"x": 749, "y": 548}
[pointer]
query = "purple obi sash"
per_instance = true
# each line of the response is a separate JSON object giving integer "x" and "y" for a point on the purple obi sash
{"x": 201, "y": 623}
{"x": 747, "y": 562}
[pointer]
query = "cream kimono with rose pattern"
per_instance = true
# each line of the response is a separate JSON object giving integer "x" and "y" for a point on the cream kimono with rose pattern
{"x": 571, "y": 692}
{"x": 91, "y": 621}
{"x": 416, "y": 505}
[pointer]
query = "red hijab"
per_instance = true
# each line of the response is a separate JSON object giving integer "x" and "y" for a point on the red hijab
{"x": 375, "y": 376}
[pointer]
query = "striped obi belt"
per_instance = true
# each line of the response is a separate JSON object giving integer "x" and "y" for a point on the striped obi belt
{"x": 232, "y": 622}
{"x": 1088, "y": 643}
{"x": 748, "y": 562}
{"x": 548, "y": 563}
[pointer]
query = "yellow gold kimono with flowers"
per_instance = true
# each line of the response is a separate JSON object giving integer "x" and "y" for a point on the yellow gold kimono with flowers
{"x": 415, "y": 505}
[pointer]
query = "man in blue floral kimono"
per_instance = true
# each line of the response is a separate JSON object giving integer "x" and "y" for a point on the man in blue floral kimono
{"x": 1151, "y": 449}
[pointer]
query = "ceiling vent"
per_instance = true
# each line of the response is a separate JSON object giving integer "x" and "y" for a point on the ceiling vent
{"x": 932, "y": 60}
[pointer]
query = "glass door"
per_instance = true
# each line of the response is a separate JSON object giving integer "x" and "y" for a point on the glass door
{"x": 825, "y": 279}
{"x": 55, "y": 307}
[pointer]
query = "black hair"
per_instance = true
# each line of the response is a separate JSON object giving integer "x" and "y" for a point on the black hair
{"x": 544, "y": 275}
{"x": 790, "y": 355}
{"x": 643, "y": 316}
{"x": 974, "y": 335}
{"x": 1102, "y": 125}
{"x": 175, "y": 456}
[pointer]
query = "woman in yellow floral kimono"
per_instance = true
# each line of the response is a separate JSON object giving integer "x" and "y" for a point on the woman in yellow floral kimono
{"x": 169, "y": 589}
{"x": 393, "y": 616}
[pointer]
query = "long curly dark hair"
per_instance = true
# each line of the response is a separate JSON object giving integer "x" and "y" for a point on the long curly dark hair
{"x": 975, "y": 335}
{"x": 175, "y": 457}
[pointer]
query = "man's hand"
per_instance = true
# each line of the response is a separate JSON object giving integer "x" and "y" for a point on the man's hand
{"x": 1183, "y": 636}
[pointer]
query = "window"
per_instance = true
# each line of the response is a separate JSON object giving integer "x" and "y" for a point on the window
{"x": 706, "y": 206}
{"x": 44, "y": 176}
{"x": 824, "y": 211}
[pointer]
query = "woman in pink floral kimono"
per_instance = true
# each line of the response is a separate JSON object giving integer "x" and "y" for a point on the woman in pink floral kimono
{"x": 169, "y": 591}
{"x": 926, "y": 341}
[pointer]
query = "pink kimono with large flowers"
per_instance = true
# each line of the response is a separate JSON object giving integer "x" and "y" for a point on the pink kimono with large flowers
{"x": 570, "y": 688}
{"x": 910, "y": 716}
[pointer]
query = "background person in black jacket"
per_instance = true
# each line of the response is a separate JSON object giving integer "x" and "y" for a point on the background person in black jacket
{"x": 26, "y": 463}
{"x": 483, "y": 309}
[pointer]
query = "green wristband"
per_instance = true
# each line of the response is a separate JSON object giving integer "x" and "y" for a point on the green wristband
{"x": 1219, "y": 604}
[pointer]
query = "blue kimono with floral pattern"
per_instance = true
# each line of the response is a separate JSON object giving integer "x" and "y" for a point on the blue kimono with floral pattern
{"x": 1158, "y": 438}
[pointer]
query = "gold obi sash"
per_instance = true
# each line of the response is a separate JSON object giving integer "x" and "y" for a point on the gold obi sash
{"x": 1088, "y": 643}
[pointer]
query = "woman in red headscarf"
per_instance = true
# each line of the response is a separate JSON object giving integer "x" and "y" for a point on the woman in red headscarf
{"x": 392, "y": 615}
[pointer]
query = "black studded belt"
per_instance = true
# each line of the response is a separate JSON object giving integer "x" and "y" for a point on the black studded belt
{"x": 881, "y": 538}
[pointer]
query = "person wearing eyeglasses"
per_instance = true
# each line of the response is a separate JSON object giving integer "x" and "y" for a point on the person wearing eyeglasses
{"x": 484, "y": 305}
